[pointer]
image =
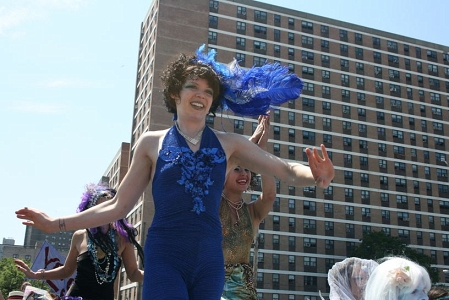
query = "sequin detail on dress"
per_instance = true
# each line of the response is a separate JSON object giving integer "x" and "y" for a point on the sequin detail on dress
{"x": 196, "y": 170}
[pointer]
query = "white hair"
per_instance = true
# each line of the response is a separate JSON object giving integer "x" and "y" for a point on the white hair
{"x": 395, "y": 277}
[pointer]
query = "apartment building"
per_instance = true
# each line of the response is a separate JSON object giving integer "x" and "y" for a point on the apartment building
{"x": 377, "y": 100}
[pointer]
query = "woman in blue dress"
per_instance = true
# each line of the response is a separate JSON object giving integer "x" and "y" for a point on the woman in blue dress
{"x": 186, "y": 166}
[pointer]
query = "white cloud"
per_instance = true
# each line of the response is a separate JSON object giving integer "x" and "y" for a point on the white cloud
{"x": 66, "y": 83}
{"x": 37, "y": 108}
{"x": 14, "y": 17}
{"x": 62, "y": 4}
{"x": 15, "y": 14}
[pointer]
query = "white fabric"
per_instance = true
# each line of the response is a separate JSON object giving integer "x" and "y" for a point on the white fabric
{"x": 347, "y": 279}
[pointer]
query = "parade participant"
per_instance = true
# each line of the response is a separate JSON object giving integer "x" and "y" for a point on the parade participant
{"x": 438, "y": 293}
{"x": 187, "y": 165}
{"x": 398, "y": 278}
{"x": 347, "y": 279}
{"x": 240, "y": 221}
{"x": 96, "y": 254}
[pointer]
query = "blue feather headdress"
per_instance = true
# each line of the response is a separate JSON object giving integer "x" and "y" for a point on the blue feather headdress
{"x": 253, "y": 91}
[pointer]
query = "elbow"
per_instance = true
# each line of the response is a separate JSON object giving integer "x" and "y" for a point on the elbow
{"x": 136, "y": 276}
{"x": 270, "y": 196}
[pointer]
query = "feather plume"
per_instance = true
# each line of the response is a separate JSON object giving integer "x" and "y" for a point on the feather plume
{"x": 253, "y": 91}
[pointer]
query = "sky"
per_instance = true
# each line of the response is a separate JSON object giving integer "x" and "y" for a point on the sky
{"x": 67, "y": 77}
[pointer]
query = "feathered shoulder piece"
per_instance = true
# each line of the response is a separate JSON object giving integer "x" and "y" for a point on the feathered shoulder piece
{"x": 253, "y": 91}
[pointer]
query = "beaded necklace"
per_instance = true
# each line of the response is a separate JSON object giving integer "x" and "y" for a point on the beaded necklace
{"x": 195, "y": 140}
{"x": 104, "y": 275}
{"x": 236, "y": 206}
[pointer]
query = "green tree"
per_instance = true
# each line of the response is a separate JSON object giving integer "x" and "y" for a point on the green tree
{"x": 10, "y": 278}
{"x": 377, "y": 244}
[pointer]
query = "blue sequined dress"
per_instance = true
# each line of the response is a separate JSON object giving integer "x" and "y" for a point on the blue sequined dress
{"x": 183, "y": 253}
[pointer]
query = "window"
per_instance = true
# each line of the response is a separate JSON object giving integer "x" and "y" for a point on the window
{"x": 309, "y": 224}
{"x": 241, "y": 10}
{"x": 291, "y": 22}
{"x": 213, "y": 21}
{"x": 308, "y": 25}
{"x": 241, "y": 26}
{"x": 325, "y": 44}
{"x": 309, "y": 205}
{"x": 349, "y": 210}
{"x": 306, "y": 102}
{"x": 377, "y": 56}
{"x": 291, "y": 54}
{"x": 307, "y": 40}
{"x": 259, "y": 61}
{"x": 261, "y": 16}
{"x": 277, "y": 35}
{"x": 365, "y": 195}
{"x": 359, "y": 66}
{"x": 392, "y": 45}
{"x": 260, "y": 45}
{"x": 307, "y": 70}
{"x": 212, "y": 37}
{"x": 240, "y": 57}
{"x": 260, "y": 31}
{"x": 324, "y": 29}
{"x": 307, "y": 55}
{"x": 328, "y": 207}
{"x": 377, "y": 71}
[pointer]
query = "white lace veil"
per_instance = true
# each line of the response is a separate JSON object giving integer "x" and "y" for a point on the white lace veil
{"x": 347, "y": 279}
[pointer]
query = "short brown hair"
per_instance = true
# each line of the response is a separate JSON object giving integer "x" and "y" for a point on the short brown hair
{"x": 184, "y": 68}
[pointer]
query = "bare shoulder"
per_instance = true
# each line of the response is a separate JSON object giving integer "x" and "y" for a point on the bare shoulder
{"x": 152, "y": 136}
{"x": 79, "y": 233}
{"x": 79, "y": 236}
{"x": 149, "y": 143}
{"x": 229, "y": 139}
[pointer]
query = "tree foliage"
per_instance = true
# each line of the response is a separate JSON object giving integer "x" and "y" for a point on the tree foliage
{"x": 10, "y": 278}
{"x": 377, "y": 244}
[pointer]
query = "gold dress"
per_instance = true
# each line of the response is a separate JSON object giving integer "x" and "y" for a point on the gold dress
{"x": 237, "y": 241}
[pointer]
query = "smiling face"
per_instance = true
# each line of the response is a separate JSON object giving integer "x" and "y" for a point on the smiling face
{"x": 195, "y": 97}
{"x": 238, "y": 179}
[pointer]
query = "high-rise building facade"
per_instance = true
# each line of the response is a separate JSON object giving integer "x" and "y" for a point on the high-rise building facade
{"x": 378, "y": 101}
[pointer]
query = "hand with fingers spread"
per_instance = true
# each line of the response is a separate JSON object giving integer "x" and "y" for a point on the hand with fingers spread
{"x": 321, "y": 166}
{"x": 37, "y": 218}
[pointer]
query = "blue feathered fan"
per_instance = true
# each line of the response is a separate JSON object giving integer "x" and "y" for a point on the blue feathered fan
{"x": 253, "y": 91}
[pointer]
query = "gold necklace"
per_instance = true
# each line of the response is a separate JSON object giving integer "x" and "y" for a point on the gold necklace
{"x": 195, "y": 140}
{"x": 236, "y": 206}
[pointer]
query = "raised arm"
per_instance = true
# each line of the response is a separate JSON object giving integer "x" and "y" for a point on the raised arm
{"x": 128, "y": 193}
{"x": 264, "y": 203}
{"x": 241, "y": 151}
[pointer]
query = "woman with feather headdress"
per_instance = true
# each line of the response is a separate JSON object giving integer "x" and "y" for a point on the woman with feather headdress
{"x": 187, "y": 165}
